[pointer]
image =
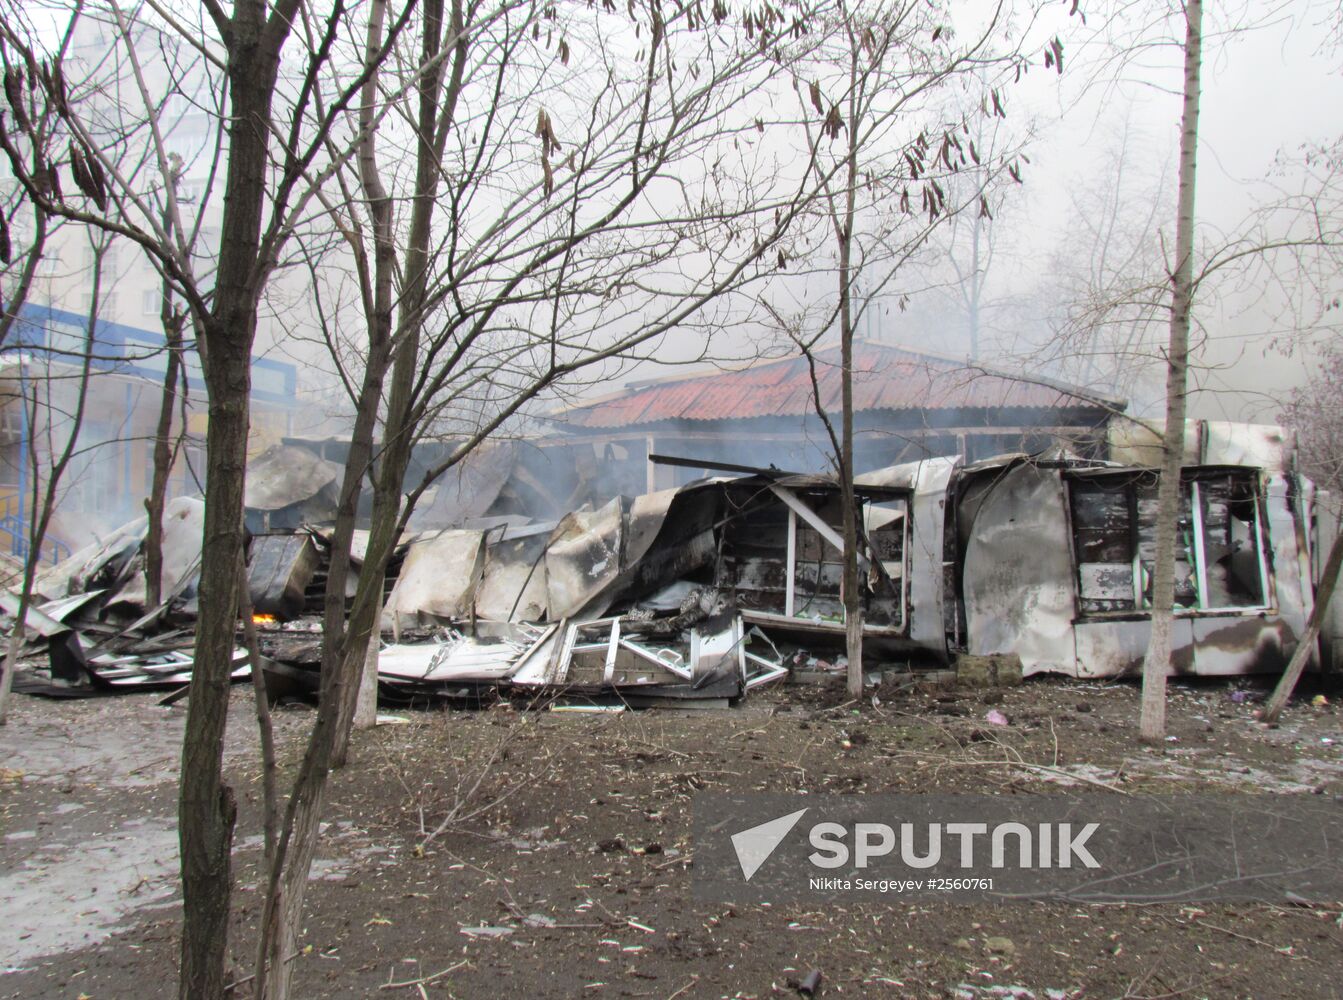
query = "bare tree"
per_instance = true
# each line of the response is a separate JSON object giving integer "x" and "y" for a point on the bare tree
{"x": 1144, "y": 283}
{"x": 25, "y": 225}
{"x": 1106, "y": 298}
{"x": 893, "y": 142}
{"x": 531, "y": 210}
{"x": 19, "y": 267}
{"x": 274, "y": 145}
{"x": 970, "y": 240}
{"x": 1156, "y": 664}
{"x": 1302, "y": 230}
{"x": 166, "y": 448}
{"x": 47, "y": 417}
{"x": 185, "y": 219}
{"x": 1315, "y": 415}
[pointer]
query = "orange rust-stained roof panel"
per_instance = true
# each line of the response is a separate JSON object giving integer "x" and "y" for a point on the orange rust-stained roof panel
{"x": 884, "y": 378}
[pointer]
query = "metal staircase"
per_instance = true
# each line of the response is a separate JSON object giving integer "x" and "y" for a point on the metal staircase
{"x": 15, "y": 527}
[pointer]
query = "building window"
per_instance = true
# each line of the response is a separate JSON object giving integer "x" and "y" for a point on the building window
{"x": 192, "y": 469}
{"x": 110, "y": 256}
{"x": 95, "y": 485}
{"x": 107, "y": 305}
{"x": 885, "y": 524}
{"x": 1220, "y": 557}
{"x": 274, "y": 381}
{"x": 1232, "y": 559}
{"x": 190, "y": 192}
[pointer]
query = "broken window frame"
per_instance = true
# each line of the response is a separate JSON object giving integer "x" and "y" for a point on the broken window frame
{"x": 1193, "y": 483}
{"x": 800, "y": 511}
{"x": 757, "y": 669}
{"x": 1260, "y": 539}
{"x": 608, "y": 637}
{"x": 868, "y": 505}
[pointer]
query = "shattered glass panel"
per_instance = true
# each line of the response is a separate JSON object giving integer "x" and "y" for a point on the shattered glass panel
{"x": 607, "y": 652}
{"x": 1104, "y": 542}
{"x": 1186, "y": 582}
{"x": 785, "y": 558}
{"x": 1114, "y": 534}
{"x": 1229, "y": 507}
{"x": 885, "y": 524}
{"x": 818, "y": 569}
{"x": 754, "y": 554}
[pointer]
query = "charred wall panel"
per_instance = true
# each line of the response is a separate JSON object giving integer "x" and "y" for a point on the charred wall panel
{"x": 754, "y": 559}
{"x": 1018, "y": 577}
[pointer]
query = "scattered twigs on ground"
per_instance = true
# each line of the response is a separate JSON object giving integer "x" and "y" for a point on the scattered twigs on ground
{"x": 692, "y": 982}
{"x": 423, "y": 980}
{"x": 1286, "y": 952}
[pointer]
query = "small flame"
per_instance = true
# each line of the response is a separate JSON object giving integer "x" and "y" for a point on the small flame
{"x": 263, "y": 619}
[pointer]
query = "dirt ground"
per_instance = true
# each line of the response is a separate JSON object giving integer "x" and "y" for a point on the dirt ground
{"x": 567, "y": 870}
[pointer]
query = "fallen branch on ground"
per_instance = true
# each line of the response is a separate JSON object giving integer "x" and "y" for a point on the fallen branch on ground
{"x": 423, "y": 981}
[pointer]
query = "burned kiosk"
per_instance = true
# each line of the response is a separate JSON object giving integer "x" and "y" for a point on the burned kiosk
{"x": 1045, "y": 558}
{"x": 1052, "y": 561}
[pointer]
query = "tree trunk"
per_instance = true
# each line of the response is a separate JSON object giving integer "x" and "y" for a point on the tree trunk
{"x": 206, "y": 807}
{"x": 164, "y": 453}
{"x": 1324, "y": 593}
{"x": 853, "y": 608}
{"x": 288, "y": 877}
{"x": 41, "y": 518}
{"x": 366, "y": 700}
{"x": 437, "y": 109}
{"x": 43, "y": 504}
{"x": 334, "y": 627}
{"x": 9, "y": 314}
{"x": 379, "y": 305}
{"x": 270, "y": 798}
{"x": 976, "y": 286}
{"x": 17, "y": 638}
{"x": 1156, "y": 665}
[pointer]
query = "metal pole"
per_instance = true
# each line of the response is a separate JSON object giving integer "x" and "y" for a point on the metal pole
{"x": 16, "y": 533}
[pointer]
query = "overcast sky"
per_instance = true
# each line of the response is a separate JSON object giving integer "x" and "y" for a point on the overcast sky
{"x": 1268, "y": 90}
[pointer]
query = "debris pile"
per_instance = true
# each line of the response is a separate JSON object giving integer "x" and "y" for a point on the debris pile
{"x": 699, "y": 593}
{"x": 91, "y": 626}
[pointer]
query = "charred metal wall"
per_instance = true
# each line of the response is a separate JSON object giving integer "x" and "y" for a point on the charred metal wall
{"x": 1028, "y": 588}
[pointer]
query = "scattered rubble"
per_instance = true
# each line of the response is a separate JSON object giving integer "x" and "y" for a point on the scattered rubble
{"x": 566, "y": 782}
{"x": 90, "y": 622}
{"x": 1006, "y": 567}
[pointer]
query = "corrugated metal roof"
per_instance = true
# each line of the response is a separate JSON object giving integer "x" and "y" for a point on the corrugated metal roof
{"x": 884, "y": 378}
